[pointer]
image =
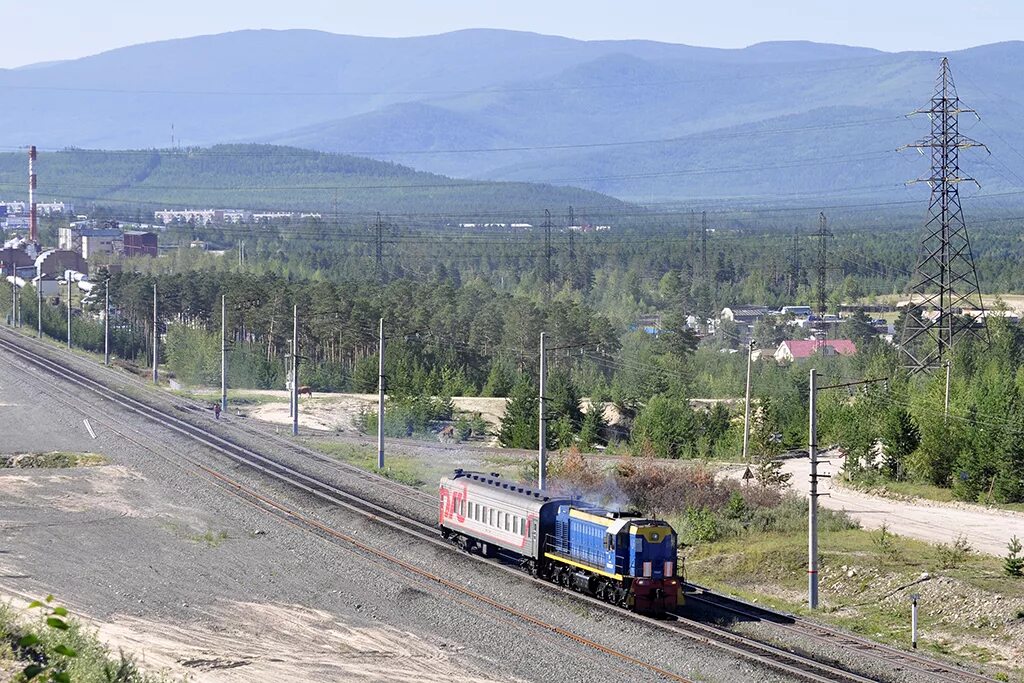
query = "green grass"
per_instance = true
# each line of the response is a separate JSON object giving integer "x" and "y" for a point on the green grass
{"x": 771, "y": 570}
{"x": 94, "y": 661}
{"x": 53, "y": 460}
{"x": 211, "y": 538}
{"x": 404, "y": 470}
{"x": 913, "y": 489}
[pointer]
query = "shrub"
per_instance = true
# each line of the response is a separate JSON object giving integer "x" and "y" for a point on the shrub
{"x": 1013, "y": 563}
{"x": 952, "y": 556}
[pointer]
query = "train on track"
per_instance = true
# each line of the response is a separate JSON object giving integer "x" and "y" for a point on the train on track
{"x": 618, "y": 557}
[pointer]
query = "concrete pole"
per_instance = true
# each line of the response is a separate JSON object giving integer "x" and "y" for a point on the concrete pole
{"x": 746, "y": 407}
{"x": 913, "y": 620}
{"x": 945, "y": 410}
{"x": 156, "y": 339}
{"x": 380, "y": 397}
{"x": 223, "y": 354}
{"x": 812, "y": 510}
{"x": 39, "y": 307}
{"x": 542, "y": 446}
{"x": 106, "y": 323}
{"x": 295, "y": 370}
{"x": 67, "y": 274}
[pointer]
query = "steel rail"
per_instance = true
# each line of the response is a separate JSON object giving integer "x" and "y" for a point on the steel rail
{"x": 791, "y": 663}
{"x": 909, "y": 661}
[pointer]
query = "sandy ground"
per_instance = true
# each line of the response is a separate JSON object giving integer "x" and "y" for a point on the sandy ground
{"x": 987, "y": 530}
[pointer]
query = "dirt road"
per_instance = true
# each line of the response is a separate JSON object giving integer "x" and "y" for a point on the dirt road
{"x": 987, "y": 530}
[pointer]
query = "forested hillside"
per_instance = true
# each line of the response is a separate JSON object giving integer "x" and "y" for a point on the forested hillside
{"x": 133, "y": 182}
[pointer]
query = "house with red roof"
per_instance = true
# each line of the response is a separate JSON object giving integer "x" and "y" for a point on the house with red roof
{"x": 794, "y": 350}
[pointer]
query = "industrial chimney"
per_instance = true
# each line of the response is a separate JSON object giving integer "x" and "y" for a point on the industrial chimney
{"x": 33, "y": 231}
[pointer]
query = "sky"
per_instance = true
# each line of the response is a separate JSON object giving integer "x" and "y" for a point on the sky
{"x": 66, "y": 29}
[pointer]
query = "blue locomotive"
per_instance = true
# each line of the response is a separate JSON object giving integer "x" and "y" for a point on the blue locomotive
{"x": 618, "y": 557}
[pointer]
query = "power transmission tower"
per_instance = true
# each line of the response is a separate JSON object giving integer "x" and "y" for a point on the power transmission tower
{"x": 823, "y": 234}
{"x": 380, "y": 249}
{"x": 794, "y": 274}
{"x": 704, "y": 243}
{"x": 547, "y": 255}
{"x": 572, "y": 249}
{"x": 945, "y": 282}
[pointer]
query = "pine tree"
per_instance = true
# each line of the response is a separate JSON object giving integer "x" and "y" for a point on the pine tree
{"x": 593, "y": 426}
{"x": 1013, "y": 563}
{"x": 519, "y": 426}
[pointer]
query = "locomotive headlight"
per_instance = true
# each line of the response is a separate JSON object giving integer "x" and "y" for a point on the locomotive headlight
{"x": 654, "y": 536}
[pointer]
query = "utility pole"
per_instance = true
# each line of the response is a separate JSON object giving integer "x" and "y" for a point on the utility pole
{"x": 156, "y": 339}
{"x": 295, "y": 370}
{"x": 542, "y": 448}
{"x": 223, "y": 353}
{"x": 945, "y": 280}
{"x": 812, "y": 451}
{"x": 380, "y": 397}
{"x": 106, "y": 322}
{"x": 945, "y": 410}
{"x": 39, "y": 307}
{"x": 746, "y": 406}
{"x": 812, "y": 510}
{"x": 547, "y": 255}
{"x": 67, "y": 274}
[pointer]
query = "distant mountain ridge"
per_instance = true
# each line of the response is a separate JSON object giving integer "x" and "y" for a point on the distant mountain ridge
{"x": 640, "y": 120}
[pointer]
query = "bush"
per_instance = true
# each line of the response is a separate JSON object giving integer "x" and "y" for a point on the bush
{"x": 1013, "y": 563}
{"x": 952, "y": 556}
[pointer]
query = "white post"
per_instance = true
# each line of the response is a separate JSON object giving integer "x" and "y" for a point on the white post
{"x": 67, "y": 274}
{"x": 106, "y": 322}
{"x": 156, "y": 339}
{"x": 295, "y": 370}
{"x": 223, "y": 353}
{"x": 913, "y": 620}
{"x": 812, "y": 511}
{"x": 746, "y": 407}
{"x": 945, "y": 411}
{"x": 380, "y": 398}
{"x": 542, "y": 446}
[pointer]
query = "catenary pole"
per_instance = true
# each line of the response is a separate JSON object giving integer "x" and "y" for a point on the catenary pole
{"x": 295, "y": 370}
{"x": 67, "y": 274}
{"x": 746, "y": 407}
{"x": 291, "y": 377}
{"x": 542, "y": 446}
{"x": 156, "y": 340}
{"x": 812, "y": 510}
{"x": 39, "y": 307}
{"x": 106, "y": 322}
{"x": 223, "y": 353}
{"x": 380, "y": 397}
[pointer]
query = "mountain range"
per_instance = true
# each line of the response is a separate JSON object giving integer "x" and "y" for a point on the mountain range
{"x": 639, "y": 120}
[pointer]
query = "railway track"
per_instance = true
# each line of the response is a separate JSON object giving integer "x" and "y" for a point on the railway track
{"x": 899, "y": 659}
{"x": 794, "y": 664}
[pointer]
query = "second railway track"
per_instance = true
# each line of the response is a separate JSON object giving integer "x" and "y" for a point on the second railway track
{"x": 797, "y": 665}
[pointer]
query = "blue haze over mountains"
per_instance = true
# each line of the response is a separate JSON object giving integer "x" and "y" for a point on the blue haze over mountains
{"x": 788, "y": 120}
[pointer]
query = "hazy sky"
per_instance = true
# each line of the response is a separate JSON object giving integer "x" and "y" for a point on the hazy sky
{"x": 45, "y": 30}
